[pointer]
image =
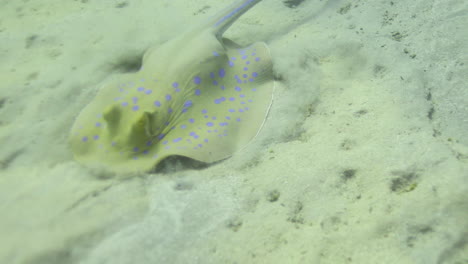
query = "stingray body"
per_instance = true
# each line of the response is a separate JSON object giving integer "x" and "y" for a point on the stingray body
{"x": 197, "y": 95}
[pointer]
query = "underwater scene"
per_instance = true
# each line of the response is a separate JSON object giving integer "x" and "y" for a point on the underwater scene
{"x": 233, "y": 131}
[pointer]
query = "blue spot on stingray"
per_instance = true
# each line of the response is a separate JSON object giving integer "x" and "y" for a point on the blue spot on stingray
{"x": 197, "y": 80}
{"x": 98, "y": 124}
{"x": 191, "y": 120}
{"x": 168, "y": 97}
{"x": 197, "y": 92}
{"x": 135, "y": 108}
{"x": 177, "y": 140}
{"x": 222, "y": 72}
{"x": 237, "y": 88}
{"x": 157, "y": 103}
{"x": 140, "y": 89}
{"x": 188, "y": 103}
{"x": 124, "y": 103}
{"x": 148, "y": 91}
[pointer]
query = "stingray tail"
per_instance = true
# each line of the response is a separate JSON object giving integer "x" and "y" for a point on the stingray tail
{"x": 224, "y": 19}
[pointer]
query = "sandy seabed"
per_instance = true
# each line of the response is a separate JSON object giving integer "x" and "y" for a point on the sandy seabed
{"x": 363, "y": 157}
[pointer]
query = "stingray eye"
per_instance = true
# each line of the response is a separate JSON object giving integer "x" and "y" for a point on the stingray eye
{"x": 112, "y": 116}
{"x": 137, "y": 135}
{"x": 140, "y": 122}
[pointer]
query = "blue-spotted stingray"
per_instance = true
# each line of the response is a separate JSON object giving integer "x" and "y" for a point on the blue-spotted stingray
{"x": 198, "y": 95}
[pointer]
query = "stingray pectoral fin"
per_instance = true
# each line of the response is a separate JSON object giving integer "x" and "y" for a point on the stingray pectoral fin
{"x": 231, "y": 112}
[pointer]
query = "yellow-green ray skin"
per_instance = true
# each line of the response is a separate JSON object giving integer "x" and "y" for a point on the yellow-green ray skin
{"x": 194, "y": 96}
